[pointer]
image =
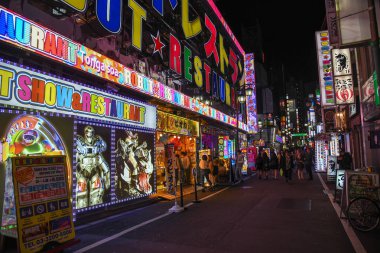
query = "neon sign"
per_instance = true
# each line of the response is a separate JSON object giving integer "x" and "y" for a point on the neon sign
{"x": 249, "y": 65}
{"x": 326, "y": 82}
{"x": 42, "y": 92}
{"x": 24, "y": 33}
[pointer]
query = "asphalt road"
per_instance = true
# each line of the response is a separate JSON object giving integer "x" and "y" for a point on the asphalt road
{"x": 254, "y": 216}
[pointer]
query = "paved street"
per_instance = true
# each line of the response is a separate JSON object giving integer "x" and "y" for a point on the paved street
{"x": 254, "y": 216}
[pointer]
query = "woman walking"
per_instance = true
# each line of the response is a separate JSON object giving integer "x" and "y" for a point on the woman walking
{"x": 299, "y": 163}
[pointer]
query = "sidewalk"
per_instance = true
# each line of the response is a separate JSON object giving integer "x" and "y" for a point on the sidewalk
{"x": 370, "y": 240}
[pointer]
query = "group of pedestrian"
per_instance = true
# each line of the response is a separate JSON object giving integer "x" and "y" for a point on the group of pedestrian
{"x": 284, "y": 162}
{"x": 211, "y": 169}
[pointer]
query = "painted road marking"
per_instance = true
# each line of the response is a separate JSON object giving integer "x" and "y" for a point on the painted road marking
{"x": 358, "y": 246}
{"x": 110, "y": 238}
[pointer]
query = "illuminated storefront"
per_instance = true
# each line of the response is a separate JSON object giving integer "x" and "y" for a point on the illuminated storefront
{"x": 49, "y": 116}
{"x": 182, "y": 133}
{"x": 98, "y": 106}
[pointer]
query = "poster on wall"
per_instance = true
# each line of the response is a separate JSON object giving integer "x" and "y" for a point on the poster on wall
{"x": 42, "y": 196}
{"x": 134, "y": 163}
{"x": 93, "y": 156}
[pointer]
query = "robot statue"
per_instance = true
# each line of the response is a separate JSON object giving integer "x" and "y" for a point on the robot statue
{"x": 134, "y": 167}
{"x": 93, "y": 174}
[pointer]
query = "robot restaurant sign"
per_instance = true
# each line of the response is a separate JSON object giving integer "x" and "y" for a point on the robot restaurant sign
{"x": 24, "y": 33}
{"x": 25, "y": 88}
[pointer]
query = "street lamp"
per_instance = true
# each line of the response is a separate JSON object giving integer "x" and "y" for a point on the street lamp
{"x": 248, "y": 91}
{"x": 241, "y": 98}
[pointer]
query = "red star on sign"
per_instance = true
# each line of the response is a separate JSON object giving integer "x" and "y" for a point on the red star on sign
{"x": 158, "y": 45}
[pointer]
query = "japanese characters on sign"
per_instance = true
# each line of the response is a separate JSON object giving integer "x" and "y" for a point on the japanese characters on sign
{"x": 344, "y": 87}
{"x": 216, "y": 74}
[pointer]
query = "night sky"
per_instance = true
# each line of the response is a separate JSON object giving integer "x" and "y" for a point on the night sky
{"x": 288, "y": 34}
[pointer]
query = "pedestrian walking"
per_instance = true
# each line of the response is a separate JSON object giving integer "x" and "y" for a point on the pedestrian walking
{"x": 282, "y": 162}
{"x": 265, "y": 165}
{"x": 239, "y": 165}
{"x": 215, "y": 170}
{"x": 299, "y": 163}
{"x": 205, "y": 171}
{"x": 273, "y": 164}
{"x": 259, "y": 164}
{"x": 309, "y": 163}
{"x": 211, "y": 168}
{"x": 288, "y": 166}
{"x": 186, "y": 166}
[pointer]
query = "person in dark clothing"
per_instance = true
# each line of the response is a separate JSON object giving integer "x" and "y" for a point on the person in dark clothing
{"x": 266, "y": 166}
{"x": 282, "y": 162}
{"x": 346, "y": 162}
{"x": 273, "y": 164}
{"x": 259, "y": 164}
{"x": 288, "y": 166}
{"x": 309, "y": 163}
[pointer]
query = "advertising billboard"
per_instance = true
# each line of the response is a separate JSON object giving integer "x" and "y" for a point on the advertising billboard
{"x": 216, "y": 74}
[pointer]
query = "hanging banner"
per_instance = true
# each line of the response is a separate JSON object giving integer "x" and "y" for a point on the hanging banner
{"x": 325, "y": 68}
{"x": 170, "y": 173}
{"x": 42, "y": 197}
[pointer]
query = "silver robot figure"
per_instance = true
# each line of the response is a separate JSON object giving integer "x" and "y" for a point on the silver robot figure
{"x": 93, "y": 174}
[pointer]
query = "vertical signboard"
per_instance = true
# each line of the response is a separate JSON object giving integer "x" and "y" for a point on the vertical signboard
{"x": 340, "y": 175}
{"x": 331, "y": 168}
{"x": 170, "y": 173}
{"x": 251, "y": 100}
{"x": 331, "y": 21}
{"x": 344, "y": 87}
{"x": 42, "y": 197}
{"x": 325, "y": 68}
{"x": 376, "y": 89}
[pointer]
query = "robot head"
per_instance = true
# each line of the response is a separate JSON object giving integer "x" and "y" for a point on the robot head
{"x": 89, "y": 131}
{"x": 29, "y": 137}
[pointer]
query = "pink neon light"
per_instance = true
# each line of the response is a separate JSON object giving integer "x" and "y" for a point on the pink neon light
{"x": 224, "y": 23}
